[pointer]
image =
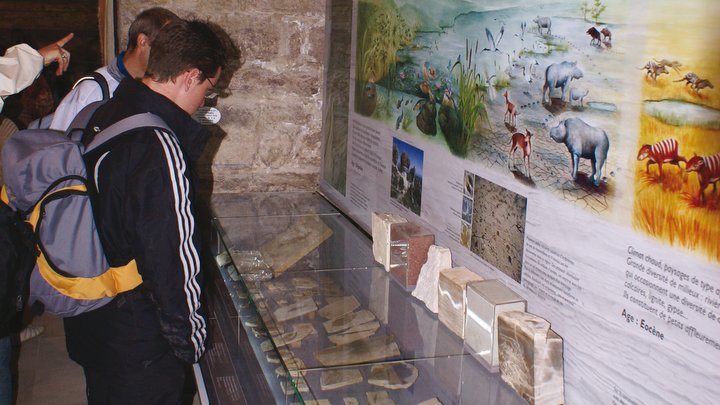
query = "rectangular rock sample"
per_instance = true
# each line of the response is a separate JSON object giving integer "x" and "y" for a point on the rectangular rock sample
{"x": 409, "y": 244}
{"x": 381, "y": 223}
{"x": 347, "y": 321}
{"x": 339, "y": 307}
{"x": 452, "y": 299}
{"x": 531, "y": 357}
{"x": 485, "y": 301}
{"x": 338, "y": 378}
{"x": 295, "y": 310}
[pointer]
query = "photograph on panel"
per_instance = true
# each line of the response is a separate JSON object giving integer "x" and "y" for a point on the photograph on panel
{"x": 406, "y": 179}
{"x": 498, "y": 227}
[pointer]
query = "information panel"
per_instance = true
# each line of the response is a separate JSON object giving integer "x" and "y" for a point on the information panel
{"x": 570, "y": 149}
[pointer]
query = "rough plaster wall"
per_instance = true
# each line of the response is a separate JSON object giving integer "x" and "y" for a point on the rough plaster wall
{"x": 269, "y": 136}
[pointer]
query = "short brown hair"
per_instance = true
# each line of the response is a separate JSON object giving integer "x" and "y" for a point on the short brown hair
{"x": 149, "y": 22}
{"x": 184, "y": 45}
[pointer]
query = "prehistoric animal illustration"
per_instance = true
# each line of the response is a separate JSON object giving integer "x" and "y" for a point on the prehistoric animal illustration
{"x": 594, "y": 36}
{"x": 543, "y": 22}
{"x": 701, "y": 84}
{"x": 665, "y": 151}
{"x": 689, "y": 78}
{"x": 578, "y": 95}
{"x": 654, "y": 69}
{"x": 583, "y": 141}
{"x": 560, "y": 75}
{"x": 510, "y": 110}
{"x": 607, "y": 35}
{"x": 675, "y": 65}
{"x": 521, "y": 141}
{"x": 707, "y": 169}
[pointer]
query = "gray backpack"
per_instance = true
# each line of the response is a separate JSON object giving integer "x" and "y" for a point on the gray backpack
{"x": 46, "y": 182}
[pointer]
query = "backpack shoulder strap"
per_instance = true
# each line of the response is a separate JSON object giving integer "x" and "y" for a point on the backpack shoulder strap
{"x": 100, "y": 80}
{"x": 126, "y": 124}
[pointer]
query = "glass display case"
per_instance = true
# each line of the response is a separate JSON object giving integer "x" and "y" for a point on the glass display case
{"x": 301, "y": 313}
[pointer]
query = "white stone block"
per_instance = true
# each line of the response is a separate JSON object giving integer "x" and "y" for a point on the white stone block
{"x": 426, "y": 289}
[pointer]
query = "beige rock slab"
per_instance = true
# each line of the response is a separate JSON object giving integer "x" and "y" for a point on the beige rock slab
{"x": 452, "y": 299}
{"x": 334, "y": 379}
{"x": 393, "y": 376}
{"x": 304, "y": 235}
{"x": 339, "y": 307}
{"x": 531, "y": 357}
{"x": 298, "y": 309}
{"x": 300, "y": 331}
{"x": 379, "y": 398}
{"x": 305, "y": 283}
{"x": 431, "y": 401}
{"x": 361, "y": 351}
{"x": 351, "y": 401}
{"x": 347, "y": 321}
{"x": 355, "y": 333}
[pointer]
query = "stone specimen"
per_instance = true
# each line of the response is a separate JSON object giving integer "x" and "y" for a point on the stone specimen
{"x": 379, "y": 398}
{"x": 300, "y": 331}
{"x": 339, "y": 307}
{"x": 355, "y": 333}
{"x": 347, "y": 321}
{"x": 300, "y": 308}
{"x": 452, "y": 298}
{"x": 431, "y": 401}
{"x": 304, "y": 283}
{"x": 393, "y": 376}
{"x": 360, "y": 351}
{"x": 304, "y": 235}
{"x": 409, "y": 244}
{"x": 485, "y": 301}
{"x": 338, "y": 378}
{"x": 251, "y": 265}
{"x": 272, "y": 357}
{"x": 299, "y": 384}
{"x": 531, "y": 357}
{"x": 381, "y": 223}
{"x": 266, "y": 345}
{"x": 351, "y": 401}
{"x": 426, "y": 289}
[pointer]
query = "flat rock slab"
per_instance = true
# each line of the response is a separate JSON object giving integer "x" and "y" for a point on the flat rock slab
{"x": 379, "y": 398}
{"x": 361, "y": 351}
{"x": 393, "y": 376}
{"x": 304, "y": 235}
{"x": 347, "y": 321}
{"x": 334, "y": 379}
{"x": 339, "y": 307}
{"x": 298, "y": 309}
{"x": 358, "y": 332}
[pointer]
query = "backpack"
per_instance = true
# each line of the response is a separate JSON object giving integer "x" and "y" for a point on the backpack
{"x": 17, "y": 259}
{"x": 44, "y": 122}
{"x": 46, "y": 181}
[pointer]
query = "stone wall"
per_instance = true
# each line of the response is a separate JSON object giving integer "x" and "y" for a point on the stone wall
{"x": 269, "y": 135}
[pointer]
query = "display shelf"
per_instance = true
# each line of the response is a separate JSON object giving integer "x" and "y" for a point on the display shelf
{"x": 332, "y": 322}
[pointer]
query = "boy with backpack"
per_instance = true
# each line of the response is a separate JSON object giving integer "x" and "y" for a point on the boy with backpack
{"x": 130, "y": 63}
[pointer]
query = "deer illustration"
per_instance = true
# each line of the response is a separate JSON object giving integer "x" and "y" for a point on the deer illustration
{"x": 510, "y": 111}
{"x": 521, "y": 141}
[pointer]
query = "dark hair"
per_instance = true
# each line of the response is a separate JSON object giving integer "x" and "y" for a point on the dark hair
{"x": 184, "y": 45}
{"x": 149, "y": 22}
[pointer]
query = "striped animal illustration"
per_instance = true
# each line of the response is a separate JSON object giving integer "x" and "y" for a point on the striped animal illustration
{"x": 665, "y": 151}
{"x": 707, "y": 169}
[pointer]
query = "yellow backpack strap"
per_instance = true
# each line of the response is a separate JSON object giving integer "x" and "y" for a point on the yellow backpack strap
{"x": 4, "y": 196}
{"x": 108, "y": 284}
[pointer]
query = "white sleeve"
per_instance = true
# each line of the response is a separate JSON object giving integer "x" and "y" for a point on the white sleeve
{"x": 85, "y": 93}
{"x": 19, "y": 67}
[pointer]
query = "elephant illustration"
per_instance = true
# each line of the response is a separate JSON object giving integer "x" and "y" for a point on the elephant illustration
{"x": 560, "y": 75}
{"x": 583, "y": 141}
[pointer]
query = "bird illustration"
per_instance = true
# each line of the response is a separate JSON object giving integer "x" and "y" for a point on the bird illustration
{"x": 399, "y": 120}
{"x": 491, "y": 40}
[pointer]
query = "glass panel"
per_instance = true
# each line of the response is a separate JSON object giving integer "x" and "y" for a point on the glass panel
{"x": 266, "y": 204}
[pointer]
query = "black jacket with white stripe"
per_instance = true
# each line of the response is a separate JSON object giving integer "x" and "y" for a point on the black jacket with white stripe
{"x": 145, "y": 209}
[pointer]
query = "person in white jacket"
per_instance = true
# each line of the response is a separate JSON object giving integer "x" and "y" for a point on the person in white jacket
{"x": 22, "y": 64}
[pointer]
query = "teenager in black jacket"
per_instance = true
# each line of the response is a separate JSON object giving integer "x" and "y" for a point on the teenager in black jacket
{"x": 134, "y": 349}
